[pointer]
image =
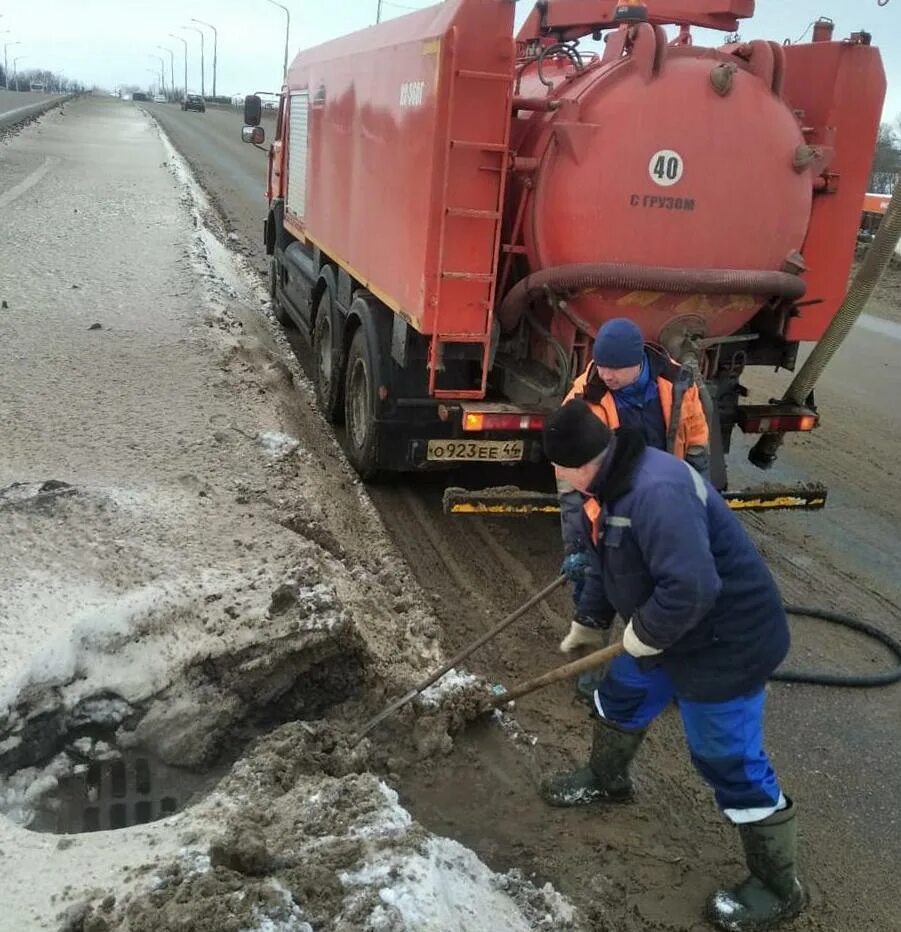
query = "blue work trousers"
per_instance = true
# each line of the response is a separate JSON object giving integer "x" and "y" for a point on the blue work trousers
{"x": 725, "y": 738}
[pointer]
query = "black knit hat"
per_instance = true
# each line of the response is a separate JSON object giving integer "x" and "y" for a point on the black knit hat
{"x": 574, "y": 435}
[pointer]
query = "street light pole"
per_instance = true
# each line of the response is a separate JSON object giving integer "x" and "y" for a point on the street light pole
{"x": 378, "y": 12}
{"x": 16, "y": 68}
{"x": 202, "y": 65}
{"x": 171, "y": 68}
{"x": 215, "y": 47}
{"x": 162, "y": 62}
{"x": 6, "y": 45}
{"x": 5, "y": 32}
{"x": 185, "y": 41}
{"x": 287, "y": 37}
{"x": 154, "y": 72}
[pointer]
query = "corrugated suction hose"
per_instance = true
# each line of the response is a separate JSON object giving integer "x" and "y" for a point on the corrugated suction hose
{"x": 591, "y": 276}
{"x": 874, "y": 265}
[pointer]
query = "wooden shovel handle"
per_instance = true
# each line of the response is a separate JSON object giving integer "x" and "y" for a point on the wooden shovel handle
{"x": 458, "y": 658}
{"x": 591, "y": 662}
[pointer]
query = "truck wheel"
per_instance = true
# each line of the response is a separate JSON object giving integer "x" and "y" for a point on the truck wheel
{"x": 361, "y": 436}
{"x": 281, "y": 315}
{"x": 327, "y": 355}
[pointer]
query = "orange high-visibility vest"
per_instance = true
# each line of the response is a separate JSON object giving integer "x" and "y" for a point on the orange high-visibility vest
{"x": 593, "y": 512}
{"x": 692, "y": 428}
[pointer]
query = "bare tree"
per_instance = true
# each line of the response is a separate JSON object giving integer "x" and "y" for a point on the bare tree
{"x": 49, "y": 81}
{"x": 887, "y": 161}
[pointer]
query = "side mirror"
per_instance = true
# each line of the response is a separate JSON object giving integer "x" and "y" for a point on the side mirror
{"x": 253, "y": 110}
{"x": 255, "y": 135}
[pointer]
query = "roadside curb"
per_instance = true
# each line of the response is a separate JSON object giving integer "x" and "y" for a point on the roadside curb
{"x": 20, "y": 115}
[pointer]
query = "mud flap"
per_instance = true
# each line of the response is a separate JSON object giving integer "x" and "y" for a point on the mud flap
{"x": 509, "y": 501}
{"x": 718, "y": 476}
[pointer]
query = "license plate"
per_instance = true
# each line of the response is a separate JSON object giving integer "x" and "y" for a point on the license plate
{"x": 489, "y": 451}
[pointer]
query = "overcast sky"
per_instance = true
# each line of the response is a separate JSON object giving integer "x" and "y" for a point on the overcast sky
{"x": 109, "y": 42}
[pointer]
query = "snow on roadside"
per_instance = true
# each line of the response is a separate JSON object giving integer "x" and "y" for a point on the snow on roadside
{"x": 445, "y": 886}
{"x": 331, "y": 852}
{"x": 453, "y": 681}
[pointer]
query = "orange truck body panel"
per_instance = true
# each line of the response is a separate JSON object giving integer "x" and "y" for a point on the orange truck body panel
{"x": 408, "y": 133}
{"x": 876, "y": 203}
{"x": 839, "y": 88}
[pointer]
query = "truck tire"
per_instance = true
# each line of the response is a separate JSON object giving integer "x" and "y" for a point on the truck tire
{"x": 329, "y": 362}
{"x": 361, "y": 435}
{"x": 281, "y": 315}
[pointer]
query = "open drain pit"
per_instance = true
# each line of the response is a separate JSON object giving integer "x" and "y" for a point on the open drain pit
{"x": 177, "y": 752}
{"x": 134, "y": 789}
{"x": 106, "y": 764}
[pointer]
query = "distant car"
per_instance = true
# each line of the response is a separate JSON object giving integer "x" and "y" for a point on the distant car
{"x": 159, "y": 99}
{"x": 138, "y": 95}
{"x": 194, "y": 102}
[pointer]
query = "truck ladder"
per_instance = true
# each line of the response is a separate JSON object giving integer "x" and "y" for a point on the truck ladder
{"x": 458, "y": 151}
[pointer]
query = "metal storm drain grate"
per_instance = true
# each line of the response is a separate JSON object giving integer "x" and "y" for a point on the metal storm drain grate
{"x": 131, "y": 790}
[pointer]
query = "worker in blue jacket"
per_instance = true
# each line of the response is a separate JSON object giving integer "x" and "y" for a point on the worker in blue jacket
{"x": 705, "y": 628}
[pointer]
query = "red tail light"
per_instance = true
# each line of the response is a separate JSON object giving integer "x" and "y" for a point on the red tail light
{"x": 482, "y": 420}
{"x": 772, "y": 421}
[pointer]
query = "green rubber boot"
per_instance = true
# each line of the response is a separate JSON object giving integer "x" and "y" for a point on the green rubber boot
{"x": 772, "y": 893}
{"x": 605, "y": 778}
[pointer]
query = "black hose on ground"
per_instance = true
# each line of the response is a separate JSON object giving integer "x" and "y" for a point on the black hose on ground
{"x": 840, "y": 679}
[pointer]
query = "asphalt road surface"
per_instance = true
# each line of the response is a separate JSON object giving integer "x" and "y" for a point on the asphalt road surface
{"x": 15, "y": 105}
{"x": 839, "y": 751}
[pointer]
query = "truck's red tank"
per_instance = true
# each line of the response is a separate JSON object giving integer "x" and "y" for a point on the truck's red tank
{"x": 646, "y": 162}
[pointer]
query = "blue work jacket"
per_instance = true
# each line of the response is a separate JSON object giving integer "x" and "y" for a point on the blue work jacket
{"x": 667, "y": 552}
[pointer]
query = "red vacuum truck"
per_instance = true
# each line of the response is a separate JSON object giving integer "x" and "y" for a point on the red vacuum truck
{"x": 455, "y": 210}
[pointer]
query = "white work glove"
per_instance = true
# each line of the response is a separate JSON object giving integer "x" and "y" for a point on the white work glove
{"x": 584, "y": 636}
{"x": 634, "y": 646}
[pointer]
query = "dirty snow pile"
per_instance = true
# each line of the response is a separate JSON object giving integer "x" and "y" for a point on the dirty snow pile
{"x": 169, "y": 623}
{"x": 279, "y": 847}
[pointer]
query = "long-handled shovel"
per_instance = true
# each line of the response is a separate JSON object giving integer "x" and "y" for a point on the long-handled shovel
{"x": 583, "y": 665}
{"x": 484, "y": 639}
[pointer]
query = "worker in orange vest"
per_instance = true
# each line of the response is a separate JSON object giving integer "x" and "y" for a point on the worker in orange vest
{"x": 628, "y": 384}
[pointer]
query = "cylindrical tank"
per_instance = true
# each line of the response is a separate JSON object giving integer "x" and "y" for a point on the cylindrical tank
{"x": 671, "y": 157}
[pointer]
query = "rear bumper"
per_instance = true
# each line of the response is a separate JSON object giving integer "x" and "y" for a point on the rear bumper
{"x": 518, "y": 502}
{"x": 407, "y": 426}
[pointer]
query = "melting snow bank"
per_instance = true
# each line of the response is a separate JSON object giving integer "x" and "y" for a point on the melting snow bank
{"x": 445, "y": 886}
{"x": 133, "y": 625}
{"x": 278, "y": 847}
